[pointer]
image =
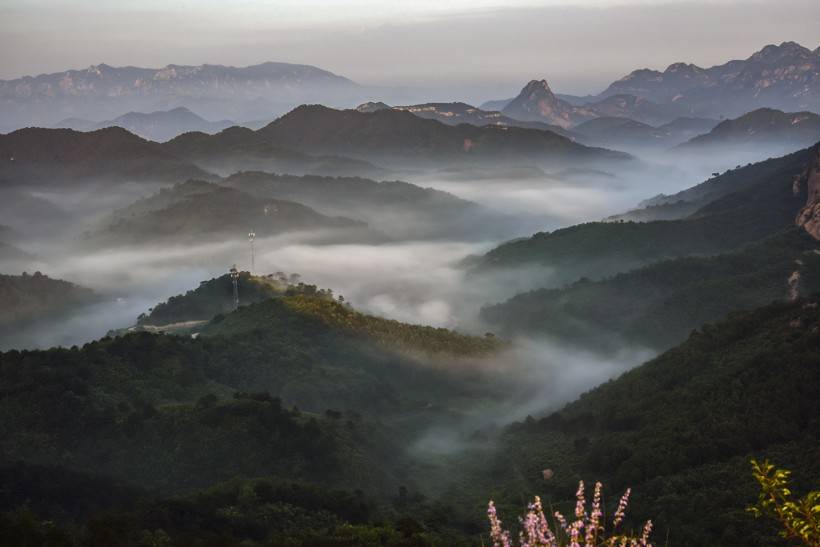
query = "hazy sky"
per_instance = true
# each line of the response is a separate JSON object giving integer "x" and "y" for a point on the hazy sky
{"x": 465, "y": 48}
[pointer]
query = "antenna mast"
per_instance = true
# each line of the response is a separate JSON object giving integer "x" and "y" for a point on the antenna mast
{"x": 235, "y": 279}
{"x": 251, "y": 237}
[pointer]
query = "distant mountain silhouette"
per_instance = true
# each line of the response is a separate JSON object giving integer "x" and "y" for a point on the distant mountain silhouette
{"x": 104, "y": 92}
{"x": 159, "y": 126}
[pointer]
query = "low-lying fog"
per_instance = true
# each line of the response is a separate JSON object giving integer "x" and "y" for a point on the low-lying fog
{"x": 411, "y": 281}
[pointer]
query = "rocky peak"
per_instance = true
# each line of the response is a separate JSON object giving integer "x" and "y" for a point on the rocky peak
{"x": 372, "y": 106}
{"x": 537, "y": 102}
{"x": 537, "y": 87}
{"x": 682, "y": 68}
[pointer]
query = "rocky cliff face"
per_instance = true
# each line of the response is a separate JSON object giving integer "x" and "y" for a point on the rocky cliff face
{"x": 809, "y": 217}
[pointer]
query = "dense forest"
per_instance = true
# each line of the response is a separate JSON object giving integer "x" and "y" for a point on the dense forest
{"x": 163, "y": 418}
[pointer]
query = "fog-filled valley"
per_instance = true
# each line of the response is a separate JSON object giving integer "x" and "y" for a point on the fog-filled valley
{"x": 239, "y": 309}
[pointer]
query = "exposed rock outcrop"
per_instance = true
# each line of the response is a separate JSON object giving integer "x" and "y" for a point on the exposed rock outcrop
{"x": 809, "y": 217}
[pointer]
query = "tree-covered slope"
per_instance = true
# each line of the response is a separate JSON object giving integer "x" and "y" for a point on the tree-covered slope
{"x": 658, "y": 305}
{"x": 681, "y": 429}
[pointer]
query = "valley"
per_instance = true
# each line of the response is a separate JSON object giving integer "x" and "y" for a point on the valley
{"x": 238, "y": 309}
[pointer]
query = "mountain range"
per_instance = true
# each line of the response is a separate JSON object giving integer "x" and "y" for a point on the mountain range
{"x": 105, "y": 92}
{"x": 785, "y": 76}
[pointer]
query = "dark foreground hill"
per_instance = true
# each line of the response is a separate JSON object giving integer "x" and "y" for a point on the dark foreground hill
{"x": 681, "y": 429}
